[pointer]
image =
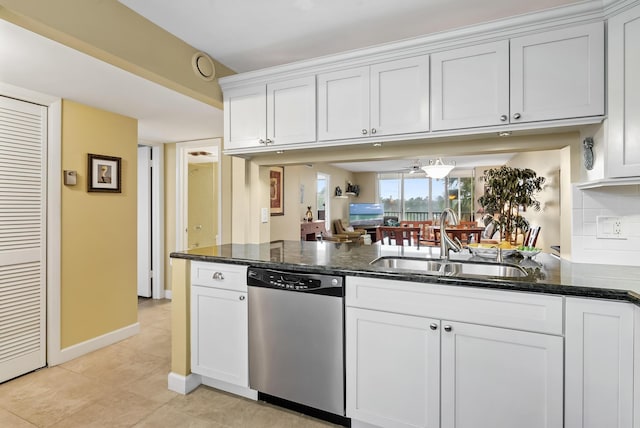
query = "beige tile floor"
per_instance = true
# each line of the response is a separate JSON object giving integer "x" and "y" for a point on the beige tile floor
{"x": 125, "y": 385}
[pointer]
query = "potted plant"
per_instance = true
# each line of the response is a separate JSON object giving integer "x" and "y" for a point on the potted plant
{"x": 508, "y": 192}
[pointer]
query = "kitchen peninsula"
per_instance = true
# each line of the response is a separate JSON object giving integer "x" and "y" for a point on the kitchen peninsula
{"x": 557, "y": 344}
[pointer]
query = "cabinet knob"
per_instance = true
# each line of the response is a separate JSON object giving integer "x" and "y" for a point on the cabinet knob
{"x": 218, "y": 276}
{"x": 241, "y": 297}
{"x": 268, "y": 142}
{"x": 503, "y": 118}
{"x": 517, "y": 115}
{"x": 261, "y": 141}
{"x": 448, "y": 328}
{"x": 364, "y": 132}
{"x": 373, "y": 130}
{"x": 433, "y": 326}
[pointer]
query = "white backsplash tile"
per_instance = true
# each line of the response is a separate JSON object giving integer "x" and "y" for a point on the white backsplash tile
{"x": 622, "y": 201}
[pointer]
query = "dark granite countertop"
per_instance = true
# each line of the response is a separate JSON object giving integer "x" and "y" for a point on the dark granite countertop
{"x": 547, "y": 274}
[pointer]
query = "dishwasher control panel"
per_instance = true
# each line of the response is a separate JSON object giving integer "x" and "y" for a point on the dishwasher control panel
{"x": 294, "y": 281}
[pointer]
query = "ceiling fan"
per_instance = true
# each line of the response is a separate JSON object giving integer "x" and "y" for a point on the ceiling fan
{"x": 414, "y": 168}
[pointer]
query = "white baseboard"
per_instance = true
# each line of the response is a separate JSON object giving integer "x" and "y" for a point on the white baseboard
{"x": 80, "y": 349}
{"x": 183, "y": 384}
{"x": 167, "y": 294}
{"x": 229, "y": 387}
{"x": 360, "y": 424}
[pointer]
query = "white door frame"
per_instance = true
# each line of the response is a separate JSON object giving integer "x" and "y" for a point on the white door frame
{"x": 182, "y": 188}
{"x": 157, "y": 218}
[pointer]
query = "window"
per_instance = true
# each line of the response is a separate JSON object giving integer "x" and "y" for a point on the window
{"x": 417, "y": 197}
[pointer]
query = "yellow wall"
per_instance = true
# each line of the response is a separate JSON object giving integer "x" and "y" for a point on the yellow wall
{"x": 99, "y": 256}
{"x": 296, "y": 201}
{"x": 203, "y": 204}
{"x": 546, "y": 164}
{"x": 112, "y": 32}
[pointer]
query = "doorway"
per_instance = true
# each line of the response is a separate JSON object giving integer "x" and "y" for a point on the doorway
{"x": 322, "y": 198}
{"x": 198, "y": 220}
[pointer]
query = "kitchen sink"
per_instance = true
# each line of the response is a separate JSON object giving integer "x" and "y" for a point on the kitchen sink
{"x": 451, "y": 268}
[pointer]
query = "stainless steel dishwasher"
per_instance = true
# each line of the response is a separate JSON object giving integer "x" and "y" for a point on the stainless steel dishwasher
{"x": 296, "y": 339}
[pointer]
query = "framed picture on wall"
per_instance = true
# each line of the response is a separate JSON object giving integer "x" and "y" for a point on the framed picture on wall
{"x": 276, "y": 175}
{"x": 104, "y": 173}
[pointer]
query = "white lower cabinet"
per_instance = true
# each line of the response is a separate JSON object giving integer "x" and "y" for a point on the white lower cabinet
{"x": 420, "y": 371}
{"x": 393, "y": 369}
{"x": 496, "y": 377}
{"x": 219, "y": 323}
{"x": 599, "y": 360}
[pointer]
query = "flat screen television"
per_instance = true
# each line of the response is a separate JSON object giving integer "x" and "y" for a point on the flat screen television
{"x": 365, "y": 214}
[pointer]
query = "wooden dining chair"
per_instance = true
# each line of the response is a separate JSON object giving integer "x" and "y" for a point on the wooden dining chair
{"x": 531, "y": 237}
{"x": 393, "y": 235}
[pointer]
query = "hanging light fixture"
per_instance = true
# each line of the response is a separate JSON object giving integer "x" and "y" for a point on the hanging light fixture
{"x": 438, "y": 169}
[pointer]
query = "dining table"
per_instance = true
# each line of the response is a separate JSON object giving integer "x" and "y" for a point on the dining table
{"x": 459, "y": 232}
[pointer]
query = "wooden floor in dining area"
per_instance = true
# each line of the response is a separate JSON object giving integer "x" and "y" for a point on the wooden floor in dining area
{"x": 125, "y": 385}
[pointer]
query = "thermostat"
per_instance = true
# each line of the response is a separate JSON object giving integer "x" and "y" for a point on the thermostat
{"x": 70, "y": 177}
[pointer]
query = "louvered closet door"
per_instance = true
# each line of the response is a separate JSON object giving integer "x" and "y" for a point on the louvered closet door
{"x": 22, "y": 237}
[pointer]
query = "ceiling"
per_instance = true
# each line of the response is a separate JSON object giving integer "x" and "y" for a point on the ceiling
{"x": 244, "y": 35}
{"x": 253, "y": 34}
{"x": 42, "y": 65}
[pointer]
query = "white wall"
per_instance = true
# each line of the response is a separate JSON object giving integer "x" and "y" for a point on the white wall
{"x": 621, "y": 201}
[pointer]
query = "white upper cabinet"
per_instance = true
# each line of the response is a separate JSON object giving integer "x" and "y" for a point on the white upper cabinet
{"x": 245, "y": 112}
{"x": 383, "y": 99}
{"x": 542, "y": 77}
{"x": 623, "y": 145}
{"x": 343, "y": 104}
{"x": 470, "y": 86}
{"x": 278, "y": 113}
{"x": 558, "y": 74}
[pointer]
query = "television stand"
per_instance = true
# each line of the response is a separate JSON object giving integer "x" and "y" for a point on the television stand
{"x": 371, "y": 231}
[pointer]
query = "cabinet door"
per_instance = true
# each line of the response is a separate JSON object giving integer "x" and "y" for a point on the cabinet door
{"x": 219, "y": 335}
{"x": 392, "y": 369}
{"x": 245, "y": 113}
{"x": 500, "y": 378}
{"x": 291, "y": 111}
{"x": 558, "y": 74}
{"x": 623, "y": 145}
{"x": 470, "y": 86}
{"x": 343, "y": 104}
{"x": 599, "y": 364}
{"x": 400, "y": 96}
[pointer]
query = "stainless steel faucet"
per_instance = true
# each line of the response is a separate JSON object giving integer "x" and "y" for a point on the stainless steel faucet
{"x": 446, "y": 243}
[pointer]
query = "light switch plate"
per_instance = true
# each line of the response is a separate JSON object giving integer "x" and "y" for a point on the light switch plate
{"x": 608, "y": 227}
{"x": 264, "y": 212}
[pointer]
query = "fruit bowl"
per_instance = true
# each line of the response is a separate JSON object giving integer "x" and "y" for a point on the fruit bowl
{"x": 490, "y": 251}
{"x": 529, "y": 253}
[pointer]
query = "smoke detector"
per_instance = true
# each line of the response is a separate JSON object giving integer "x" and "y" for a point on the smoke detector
{"x": 203, "y": 66}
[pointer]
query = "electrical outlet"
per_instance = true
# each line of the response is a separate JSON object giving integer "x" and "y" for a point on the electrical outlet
{"x": 610, "y": 227}
{"x": 264, "y": 212}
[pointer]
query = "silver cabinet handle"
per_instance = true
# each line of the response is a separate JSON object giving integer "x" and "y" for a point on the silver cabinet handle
{"x": 241, "y": 297}
{"x": 504, "y": 118}
{"x": 433, "y": 326}
{"x": 218, "y": 276}
{"x": 261, "y": 141}
{"x": 373, "y": 130}
{"x": 364, "y": 132}
{"x": 448, "y": 328}
{"x": 517, "y": 116}
{"x": 268, "y": 142}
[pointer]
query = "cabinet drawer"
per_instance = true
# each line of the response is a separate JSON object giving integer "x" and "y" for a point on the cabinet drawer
{"x": 509, "y": 309}
{"x": 219, "y": 275}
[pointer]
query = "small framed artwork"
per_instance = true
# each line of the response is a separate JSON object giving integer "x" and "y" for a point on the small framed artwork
{"x": 104, "y": 173}
{"x": 276, "y": 175}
